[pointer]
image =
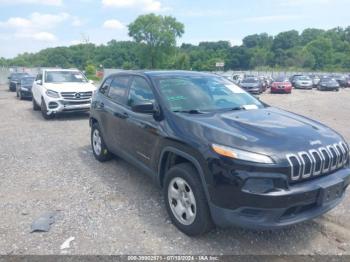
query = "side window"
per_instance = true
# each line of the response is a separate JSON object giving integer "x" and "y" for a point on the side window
{"x": 105, "y": 86}
{"x": 39, "y": 77}
{"x": 118, "y": 89}
{"x": 140, "y": 92}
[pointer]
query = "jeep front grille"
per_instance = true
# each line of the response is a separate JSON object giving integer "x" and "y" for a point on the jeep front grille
{"x": 317, "y": 162}
{"x": 76, "y": 95}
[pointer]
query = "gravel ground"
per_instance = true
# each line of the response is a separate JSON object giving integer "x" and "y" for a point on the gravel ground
{"x": 112, "y": 208}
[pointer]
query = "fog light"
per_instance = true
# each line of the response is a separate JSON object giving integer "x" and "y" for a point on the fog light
{"x": 259, "y": 185}
{"x": 53, "y": 105}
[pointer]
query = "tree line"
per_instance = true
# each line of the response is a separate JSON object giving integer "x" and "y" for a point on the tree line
{"x": 154, "y": 46}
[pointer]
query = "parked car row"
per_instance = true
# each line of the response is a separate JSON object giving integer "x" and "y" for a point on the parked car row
{"x": 221, "y": 156}
{"x": 282, "y": 84}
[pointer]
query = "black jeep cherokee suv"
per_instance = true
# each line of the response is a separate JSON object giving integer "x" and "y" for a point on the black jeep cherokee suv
{"x": 221, "y": 156}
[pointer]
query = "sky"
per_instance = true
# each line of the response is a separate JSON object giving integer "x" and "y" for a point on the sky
{"x": 32, "y": 25}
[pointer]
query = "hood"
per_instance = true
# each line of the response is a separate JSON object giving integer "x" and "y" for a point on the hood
{"x": 304, "y": 81}
{"x": 70, "y": 87}
{"x": 329, "y": 84}
{"x": 282, "y": 83}
{"x": 249, "y": 84}
{"x": 269, "y": 131}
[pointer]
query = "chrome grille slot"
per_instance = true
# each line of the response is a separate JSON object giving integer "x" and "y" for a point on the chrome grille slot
{"x": 295, "y": 166}
{"x": 307, "y": 164}
{"x": 318, "y": 162}
{"x": 327, "y": 159}
{"x": 315, "y": 162}
{"x": 346, "y": 150}
{"x": 76, "y": 95}
{"x": 341, "y": 154}
{"x": 334, "y": 157}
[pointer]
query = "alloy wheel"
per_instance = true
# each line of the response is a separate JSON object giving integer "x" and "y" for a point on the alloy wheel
{"x": 182, "y": 201}
{"x": 96, "y": 142}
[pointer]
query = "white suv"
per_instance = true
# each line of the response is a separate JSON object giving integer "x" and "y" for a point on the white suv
{"x": 61, "y": 90}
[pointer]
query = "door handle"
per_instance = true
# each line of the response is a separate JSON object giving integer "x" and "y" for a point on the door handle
{"x": 121, "y": 115}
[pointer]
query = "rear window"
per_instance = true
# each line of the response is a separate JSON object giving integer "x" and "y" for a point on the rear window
{"x": 118, "y": 89}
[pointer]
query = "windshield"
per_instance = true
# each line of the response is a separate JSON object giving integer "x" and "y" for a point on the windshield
{"x": 65, "y": 77}
{"x": 250, "y": 80}
{"x": 27, "y": 81}
{"x": 18, "y": 75}
{"x": 281, "y": 79}
{"x": 329, "y": 80}
{"x": 304, "y": 78}
{"x": 204, "y": 93}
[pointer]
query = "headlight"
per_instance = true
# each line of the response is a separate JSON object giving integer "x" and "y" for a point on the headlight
{"x": 241, "y": 154}
{"x": 52, "y": 93}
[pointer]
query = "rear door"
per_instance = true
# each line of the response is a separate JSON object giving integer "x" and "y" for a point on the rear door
{"x": 115, "y": 113}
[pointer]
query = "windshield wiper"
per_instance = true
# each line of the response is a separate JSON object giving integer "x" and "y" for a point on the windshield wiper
{"x": 192, "y": 111}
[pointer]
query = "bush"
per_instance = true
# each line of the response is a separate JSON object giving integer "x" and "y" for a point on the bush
{"x": 90, "y": 70}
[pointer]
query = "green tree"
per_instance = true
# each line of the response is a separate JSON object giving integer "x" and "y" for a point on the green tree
{"x": 158, "y": 33}
{"x": 286, "y": 40}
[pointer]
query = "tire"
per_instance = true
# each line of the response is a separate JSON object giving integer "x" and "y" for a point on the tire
{"x": 99, "y": 148}
{"x": 44, "y": 111}
{"x": 193, "y": 218}
{"x": 35, "y": 105}
{"x": 337, "y": 90}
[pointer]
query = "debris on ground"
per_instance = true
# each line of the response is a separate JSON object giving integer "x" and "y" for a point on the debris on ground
{"x": 66, "y": 244}
{"x": 43, "y": 223}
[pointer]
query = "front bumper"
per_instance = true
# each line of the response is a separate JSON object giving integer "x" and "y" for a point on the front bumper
{"x": 12, "y": 86}
{"x": 281, "y": 90}
{"x": 252, "y": 90}
{"x": 329, "y": 88}
{"x": 301, "y": 202}
{"x": 25, "y": 93}
{"x": 300, "y": 86}
{"x": 55, "y": 106}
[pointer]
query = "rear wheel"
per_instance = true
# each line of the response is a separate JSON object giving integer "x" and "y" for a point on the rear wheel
{"x": 185, "y": 200}
{"x": 98, "y": 145}
{"x": 44, "y": 112}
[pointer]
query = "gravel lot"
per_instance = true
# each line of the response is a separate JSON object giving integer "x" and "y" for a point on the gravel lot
{"x": 112, "y": 208}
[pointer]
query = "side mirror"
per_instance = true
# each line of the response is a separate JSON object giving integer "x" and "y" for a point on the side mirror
{"x": 143, "y": 108}
{"x": 91, "y": 82}
{"x": 39, "y": 82}
{"x": 9, "y": 77}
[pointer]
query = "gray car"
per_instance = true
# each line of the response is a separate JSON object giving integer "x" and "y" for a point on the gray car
{"x": 303, "y": 82}
{"x": 252, "y": 85}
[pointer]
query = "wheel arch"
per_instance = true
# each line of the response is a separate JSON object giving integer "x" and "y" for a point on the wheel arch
{"x": 171, "y": 156}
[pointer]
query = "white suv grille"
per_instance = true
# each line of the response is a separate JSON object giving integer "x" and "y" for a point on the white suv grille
{"x": 76, "y": 95}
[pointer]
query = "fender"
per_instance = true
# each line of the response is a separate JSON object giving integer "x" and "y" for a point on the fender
{"x": 190, "y": 158}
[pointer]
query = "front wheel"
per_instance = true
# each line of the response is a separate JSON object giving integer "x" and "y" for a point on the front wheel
{"x": 98, "y": 145}
{"x": 35, "y": 105}
{"x": 46, "y": 115}
{"x": 185, "y": 200}
{"x": 20, "y": 95}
